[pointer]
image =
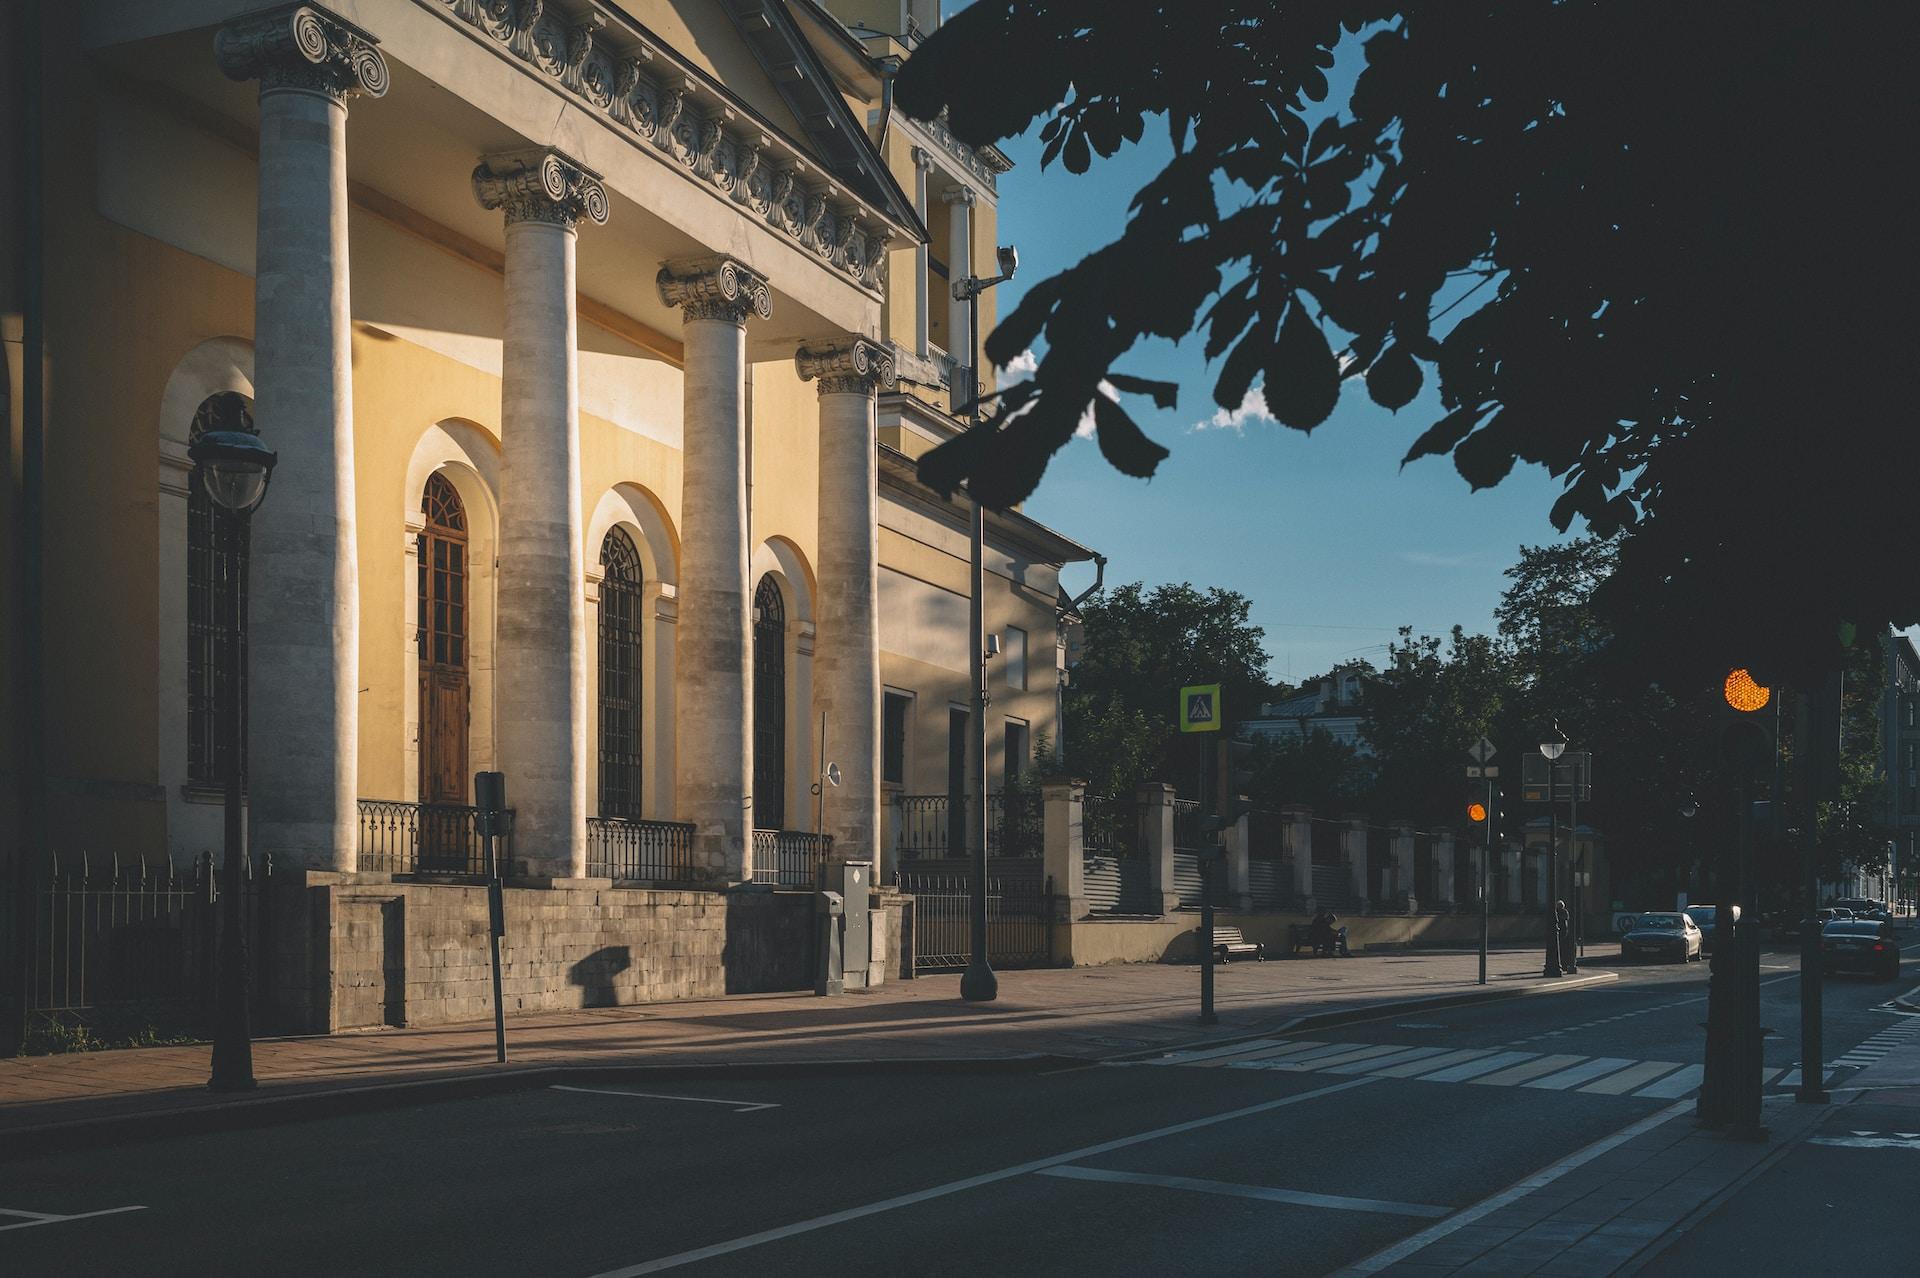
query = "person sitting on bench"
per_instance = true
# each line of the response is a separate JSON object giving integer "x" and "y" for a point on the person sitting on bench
{"x": 1327, "y": 939}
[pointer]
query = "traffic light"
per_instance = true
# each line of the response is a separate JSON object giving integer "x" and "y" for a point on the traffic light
{"x": 1745, "y": 713}
{"x": 1473, "y": 805}
{"x": 1233, "y": 777}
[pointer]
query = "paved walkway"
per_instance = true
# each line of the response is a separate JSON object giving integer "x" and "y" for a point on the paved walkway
{"x": 1084, "y": 1013}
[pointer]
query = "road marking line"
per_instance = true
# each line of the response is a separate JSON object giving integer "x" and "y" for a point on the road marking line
{"x": 1676, "y": 1084}
{"x": 971, "y": 1182}
{"x": 1372, "y": 1051}
{"x": 1628, "y": 1079}
{"x": 1315, "y": 1052}
{"x": 61, "y": 1220}
{"x": 1521, "y": 1073}
{"x": 1593, "y": 1069}
{"x": 1271, "y": 1053}
{"x": 739, "y": 1107}
{"x": 1264, "y": 1193}
{"x": 1453, "y": 1057}
{"x": 1865, "y": 1142}
{"x": 1398, "y": 1058}
{"x": 1474, "y": 1069}
{"x": 1208, "y": 1053}
{"x": 1487, "y": 1206}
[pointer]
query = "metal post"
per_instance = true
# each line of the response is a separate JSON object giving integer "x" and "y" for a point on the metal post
{"x": 496, "y": 925}
{"x": 232, "y": 1034}
{"x": 1486, "y": 858}
{"x": 1813, "y": 1068}
{"x": 1206, "y": 932}
{"x": 1578, "y": 860}
{"x": 978, "y": 984}
{"x": 1552, "y": 967}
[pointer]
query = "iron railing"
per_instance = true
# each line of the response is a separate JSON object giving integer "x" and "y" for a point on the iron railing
{"x": 646, "y": 851}
{"x": 1110, "y": 827}
{"x": 929, "y": 825}
{"x": 1187, "y": 834}
{"x": 428, "y": 838}
{"x": 1019, "y": 921}
{"x": 789, "y": 858}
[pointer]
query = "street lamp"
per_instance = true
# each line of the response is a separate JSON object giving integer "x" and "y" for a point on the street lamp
{"x": 978, "y": 984}
{"x": 233, "y": 469}
{"x": 1688, "y": 808}
{"x": 1553, "y": 750}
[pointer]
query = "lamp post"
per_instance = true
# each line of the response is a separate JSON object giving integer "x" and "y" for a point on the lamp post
{"x": 1553, "y": 750}
{"x": 1687, "y": 809}
{"x": 978, "y": 984}
{"x": 233, "y": 469}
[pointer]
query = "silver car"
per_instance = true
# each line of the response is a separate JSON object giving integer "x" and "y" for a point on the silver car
{"x": 1673, "y": 937}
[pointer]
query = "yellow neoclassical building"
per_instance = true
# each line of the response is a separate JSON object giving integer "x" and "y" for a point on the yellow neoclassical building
{"x": 596, "y": 342}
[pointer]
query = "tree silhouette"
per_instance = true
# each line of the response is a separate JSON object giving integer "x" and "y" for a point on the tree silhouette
{"x": 1655, "y": 249}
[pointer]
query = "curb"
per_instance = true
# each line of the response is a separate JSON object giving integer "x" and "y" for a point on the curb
{"x": 1909, "y": 1002}
{"x": 332, "y": 1102}
{"x": 1371, "y": 1012}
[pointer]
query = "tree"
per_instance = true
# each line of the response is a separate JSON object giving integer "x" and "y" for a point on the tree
{"x": 1142, "y": 646}
{"x": 1423, "y": 712}
{"x": 1673, "y": 241}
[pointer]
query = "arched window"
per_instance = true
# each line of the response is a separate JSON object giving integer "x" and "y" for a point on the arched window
{"x": 769, "y": 705}
{"x": 442, "y": 631}
{"x": 212, "y": 578}
{"x": 620, "y": 679}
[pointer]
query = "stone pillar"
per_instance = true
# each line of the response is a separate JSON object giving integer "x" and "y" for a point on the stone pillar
{"x": 1443, "y": 853}
{"x": 540, "y": 680}
{"x": 846, "y": 650}
{"x": 1400, "y": 849}
{"x": 959, "y": 267}
{"x": 713, "y": 709}
{"x": 922, "y": 165}
{"x": 1156, "y": 813}
{"x": 1239, "y": 876}
{"x": 1353, "y": 842}
{"x": 304, "y": 621}
{"x": 1065, "y": 846}
{"x": 1299, "y": 837}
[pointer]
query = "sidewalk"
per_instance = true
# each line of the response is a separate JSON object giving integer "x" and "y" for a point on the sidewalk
{"x": 1081, "y": 1014}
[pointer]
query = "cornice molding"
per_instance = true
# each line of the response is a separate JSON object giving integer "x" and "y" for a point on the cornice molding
{"x": 540, "y": 186}
{"x": 983, "y": 163}
{"x": 304, "y": 48}
{"x": 717, "y": 288}
{"x": 619, "y": 74}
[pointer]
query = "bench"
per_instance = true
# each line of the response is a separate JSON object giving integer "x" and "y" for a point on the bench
{"x": 1229, "y": 941}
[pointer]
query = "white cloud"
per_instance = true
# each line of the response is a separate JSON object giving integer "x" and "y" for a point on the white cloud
{"x": 1253, "y": 408}
{"x": 1025, "y": 364}
{"x": 1087, "y": 426}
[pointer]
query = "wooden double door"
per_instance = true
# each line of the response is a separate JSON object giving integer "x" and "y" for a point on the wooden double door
{"x": 446, "y": 690}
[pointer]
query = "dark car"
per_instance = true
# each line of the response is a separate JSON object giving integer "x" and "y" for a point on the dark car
{"x": 1672, "y": 937}
{"x": 1704, "y": 917}
{"x": 1860, "y": 945}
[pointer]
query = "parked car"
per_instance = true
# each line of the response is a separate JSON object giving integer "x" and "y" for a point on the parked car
{"x": 1860, "y": 945}
{"x": 1862, "y": 908}
{"x": 1673, "y": 937}
{"x": 1704, "y": 917}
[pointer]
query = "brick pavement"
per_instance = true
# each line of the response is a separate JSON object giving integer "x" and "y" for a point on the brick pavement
{"x": 1084, "y": 1013}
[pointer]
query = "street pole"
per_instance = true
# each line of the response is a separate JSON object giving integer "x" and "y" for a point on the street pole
{"x": 1808, "y": 727}
{"x": 1486, "y": 857}
{"x": 1577, "y": 859}
{"x": 1218, "y": 851}
{"x": 1552, "y": 967}
{"x": 232, "y": 1034}
{"x": 978, "y": 984}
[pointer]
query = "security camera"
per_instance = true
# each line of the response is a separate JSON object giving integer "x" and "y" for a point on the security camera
{"x": 1009, "y": 259}
{"x": 993, "y": 645}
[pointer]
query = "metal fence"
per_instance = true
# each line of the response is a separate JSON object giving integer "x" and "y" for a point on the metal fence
{"x": 1019, "y": 921}
{"x": 645, "y": 851}
{"x": 428, "y": 838}
{"x": 932, "y": 825}
{"x": 1111, "y": 827}
{"x": 107, "y": 935}
{"x": 789, "y": 858}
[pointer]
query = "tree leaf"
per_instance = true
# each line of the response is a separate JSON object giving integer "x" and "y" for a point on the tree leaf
{"x": 1444, "y": 434}
{"x": 1124, "y": 445}
{"x": 1395, "y": 378}
{"x": 1303, "y": 377}
{"x": 1165, "y": 394}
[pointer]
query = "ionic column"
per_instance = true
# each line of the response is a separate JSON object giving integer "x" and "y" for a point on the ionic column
{"x": 959, "y": 266}
{"x": 846, "y": 651}
{"x": 713, "y": 713}
{"x": 540, "y": 679}
{"x": 304, "y": 619}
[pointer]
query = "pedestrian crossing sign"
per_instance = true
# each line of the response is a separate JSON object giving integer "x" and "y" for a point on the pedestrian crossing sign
{"x": 1200, "y": 708}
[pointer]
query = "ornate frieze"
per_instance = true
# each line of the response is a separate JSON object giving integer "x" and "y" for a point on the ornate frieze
{"x": 850, "y": 365}
{"x": 540, "y": 186}
{"x": 986, "y": 163}
{"x": 302, "y": 46}
{"x": 680, "y": 118}
{"x": 715, "y": 288}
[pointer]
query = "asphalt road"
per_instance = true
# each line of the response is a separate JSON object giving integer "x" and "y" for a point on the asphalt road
{"x": 1281, "y": 1158}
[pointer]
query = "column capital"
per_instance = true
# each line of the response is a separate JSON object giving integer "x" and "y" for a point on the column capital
{"x": 302, "y": 47}
{"x": 715, "y": 288}
{"x": 958, "y": 195}
{"x": 847, "y": 365}
{"x": 922, "y": 159}
{"x": 540, "y": 185}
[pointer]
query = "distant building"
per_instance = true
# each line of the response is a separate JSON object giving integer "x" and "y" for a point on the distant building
{"x": 1330, "y": 704}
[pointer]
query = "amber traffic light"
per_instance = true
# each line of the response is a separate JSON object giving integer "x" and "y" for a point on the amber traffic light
{"x": 1746, "y": 733}
{"x": 1743, "y": 694}
{"x": 1476, "y": 812}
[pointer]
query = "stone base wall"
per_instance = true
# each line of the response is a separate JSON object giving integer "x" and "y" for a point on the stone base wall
{"x": 359, "y": 951}
{"x": 1173, "y": 938}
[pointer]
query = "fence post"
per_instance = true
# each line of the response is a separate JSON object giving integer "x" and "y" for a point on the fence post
{"x": 1156, "y": 810}
{"x": 1353, "y": 845}
{"x": 1299, "y": 845}
{"x": 1239, "y": 874}
{"x": 1516, "y": 879}
{"x": 1400, "y": 848}
{"x": 204, "y": 915}
{"x": 1064, "y": 846}
{"x": 1443, "y": 893}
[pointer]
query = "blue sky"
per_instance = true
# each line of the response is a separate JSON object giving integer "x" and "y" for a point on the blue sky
{"x": 1335, "y": 544}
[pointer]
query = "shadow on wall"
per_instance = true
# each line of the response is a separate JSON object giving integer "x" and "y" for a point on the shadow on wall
{"x": 595, "y": 975}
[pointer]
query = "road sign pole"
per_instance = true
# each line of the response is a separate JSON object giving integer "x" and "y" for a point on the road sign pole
{"x": 1486, "y": 859}
{"x": 1206, "y": 943}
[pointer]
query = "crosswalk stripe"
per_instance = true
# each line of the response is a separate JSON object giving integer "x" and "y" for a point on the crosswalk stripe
{"x": 1284, "y": 1052}
{"x": 1418, "y": 1067}
{"x": 1675, "y": 1085}
{"x": 1594, "y": 1068}
{"x": 1319, "y": 1051}
{"x": 1368, "y": 1052}
{"x": 1207, "y": 1053}
{"x": 1521, "y": 1073}
{"x": 1473, "y": 1069}
{"x": 1628, "y": 1079}
{"x": 1398, "y": 1058}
